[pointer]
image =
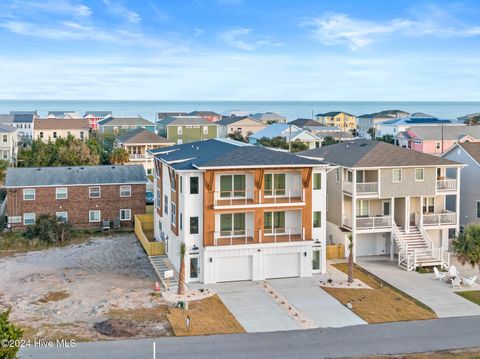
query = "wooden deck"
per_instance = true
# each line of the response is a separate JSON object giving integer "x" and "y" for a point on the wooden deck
{"x": 279, "y": 238}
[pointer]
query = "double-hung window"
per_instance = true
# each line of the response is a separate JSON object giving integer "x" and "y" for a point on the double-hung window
{"x": 62, "y": 216}
{"x": 125, "y": 214}
{"x": 28, "y": 219}
{"x": 419, "y": 174}
{"x": 94, "y": 216}
{"x": 317, "y": 181}
{"x": 232, "y": 224}
{"x": 29, "y": 194}
{"x": 317, "y": 219}
{"x": 193, "y": 225}
{"x": 61, "y": 193}
{"x": 125, "y": 191}
{"x": 363, "y": 208}
{"x": 428, "y": 204}
{"x": 205, "y": 130}
{"x": 397, "y": 175}
{"x": 232, "y": 185}
{"x": 193, "y": 185}
{"x": 275, "y": 184}
{"x": 94, "y": 192}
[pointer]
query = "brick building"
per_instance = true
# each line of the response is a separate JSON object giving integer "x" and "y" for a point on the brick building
{"x": 84, "y": 196}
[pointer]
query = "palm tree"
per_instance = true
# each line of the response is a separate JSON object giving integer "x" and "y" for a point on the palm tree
{"x": 350, "y": 259}
{"x": 467, "y": 245}
{"x": 181, "y": 275}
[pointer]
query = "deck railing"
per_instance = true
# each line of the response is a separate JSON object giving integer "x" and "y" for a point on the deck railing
{"x": 446, "y": 184}
{"x": 361, "y": 187}
{"x": 439, "y": 219}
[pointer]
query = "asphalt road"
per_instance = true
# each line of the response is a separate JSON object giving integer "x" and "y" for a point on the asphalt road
{"x": 362, "y": 340}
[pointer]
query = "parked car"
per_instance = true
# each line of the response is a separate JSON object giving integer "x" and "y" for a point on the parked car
{"x": 149, "y": 199}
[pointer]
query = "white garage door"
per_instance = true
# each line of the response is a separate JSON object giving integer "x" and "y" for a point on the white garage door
{"x": 230, "y": 269}
{"x": 370, "y": 246}
{"x": 282, "y": 265}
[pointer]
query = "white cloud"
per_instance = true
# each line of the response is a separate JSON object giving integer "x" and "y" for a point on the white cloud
{"x": 116, "y": 8}
{"x": 243, "y": 39}
{"x": 334, "y": 28}
{"x": 64, "y": 7}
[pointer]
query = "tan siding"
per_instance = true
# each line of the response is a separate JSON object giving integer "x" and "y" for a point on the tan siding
{"x": 408, "y": 186}
{"x": 334, "y": 198}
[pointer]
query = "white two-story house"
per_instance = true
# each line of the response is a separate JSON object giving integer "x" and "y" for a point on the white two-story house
{"x": 244, "y": 212}
{"x": 393, "y": 201}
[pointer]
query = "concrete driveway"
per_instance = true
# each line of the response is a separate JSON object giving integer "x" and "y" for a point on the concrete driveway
{"x": 439, "y": 296}
{"x": 317, "y": 305}
{"x": 253, "y": 308}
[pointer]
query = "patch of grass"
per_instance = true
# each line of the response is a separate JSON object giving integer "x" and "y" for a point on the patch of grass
{"x": 471, "y": 295}
{"x": 207, "y": 316}
{"x": 383, "y": 303}
{"x": 426, "y": 270}
{"x": 54, "y": 297}
{"x": 158, "y": 313}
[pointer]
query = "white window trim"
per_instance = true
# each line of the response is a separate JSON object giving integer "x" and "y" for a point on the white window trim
{"x": 90, "y": 217}
{"x": 423, "y": 175}
{"x": 179, "y": 130}
{"x": 172, "y": 213}
{"x": 90, "y": 192}
{"x": 130, "y": 190}
{"x": 66, "y": 215}
{"x": 393, "y": 175}
{"x": 34, "y": 219}
{"x": 61, "y": 188}
{"x": 29, "y": 199}
{"x": 129, "y": 211}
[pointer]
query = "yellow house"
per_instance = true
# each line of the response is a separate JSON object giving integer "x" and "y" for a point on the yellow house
{"x": 344, "y": 121}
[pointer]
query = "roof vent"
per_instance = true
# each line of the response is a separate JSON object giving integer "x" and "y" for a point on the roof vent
{"x": 69, "y": 168}
{"x": 113, "y": 166}
{"x": 82, "y": 168}
{"x": 39, "y": 169}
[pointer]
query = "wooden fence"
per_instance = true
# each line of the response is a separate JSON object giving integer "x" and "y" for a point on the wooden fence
{"x": 144, "y": 224}
{"x": 335, "y": 251}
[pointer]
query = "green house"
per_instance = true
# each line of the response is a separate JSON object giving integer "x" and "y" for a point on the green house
{"x": 186, "y": 129}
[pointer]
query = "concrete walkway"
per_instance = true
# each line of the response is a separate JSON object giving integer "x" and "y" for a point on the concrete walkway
{"x": 253, "y": 308}
{"x": 317, "y": 305}
{"x": 439, "y": 296}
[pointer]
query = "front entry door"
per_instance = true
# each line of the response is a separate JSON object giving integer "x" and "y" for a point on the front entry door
{"x": 194, "y": 269}
{"x": 316, "y": 260}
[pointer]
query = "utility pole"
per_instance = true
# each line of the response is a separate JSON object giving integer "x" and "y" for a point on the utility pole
{"x": 442, "y": 137}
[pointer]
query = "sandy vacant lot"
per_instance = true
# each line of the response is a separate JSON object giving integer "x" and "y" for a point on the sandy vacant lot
{"x": 63, "y": 291}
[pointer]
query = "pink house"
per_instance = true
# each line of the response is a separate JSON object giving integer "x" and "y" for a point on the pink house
{"x": 437, "y": 139}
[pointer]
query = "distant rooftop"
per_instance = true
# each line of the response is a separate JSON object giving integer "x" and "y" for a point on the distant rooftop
{"x": 61, "y": 124}
{"x": 268, "y": 116}
{"x": 436, "y": 132}
{"x": 203, "y": 113}
{"x": 302, "y": 122}
{"x": 125, "y": 121}
{"x": 184, "y": 120}
{"x": 333, "y": 113}
{"x": 373, "y": 154}
{"x": 141, "y": 136}
{"x": 97, "y": 113}
{"x": 85, "y": 175}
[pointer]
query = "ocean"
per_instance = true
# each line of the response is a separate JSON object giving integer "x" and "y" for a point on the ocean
{"x": 289, "y": 109}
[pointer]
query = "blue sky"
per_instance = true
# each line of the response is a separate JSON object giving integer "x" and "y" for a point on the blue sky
{"x": 240, "y": 50}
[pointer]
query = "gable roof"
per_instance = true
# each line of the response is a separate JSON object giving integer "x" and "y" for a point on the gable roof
{"x": 125, "y": 121}
{"x": 226, "y": 153}
{"x": 6, "y": 118}
{"x": 7, "y": 128}
{"x": 97, "y": 113}
{"x": 468, "y": 117}
{"x": 373, "y": 154}
{"x": 228, "y": 120}
{"x": 85, "y": 175}
{"x": 332, "y": 113}
{"x": 302, "y": 122}
{"x": 275, "y": 129}
{"x": 60, "y": 124}
{"x": 203, "y": 113}
{"x": 141, "y": 135}
{"x": 23, "y": 117}
{"x": 162, "y": 115}
{"x": 452, "y": 133}
{"x": 184, "y": 120}
{"x": 413, "y": 121}
{"x": 24, "y": 113}
{"x": 386, "y": 114}
{"x": 473, "y": 149}
{"x": 268, "y": 116}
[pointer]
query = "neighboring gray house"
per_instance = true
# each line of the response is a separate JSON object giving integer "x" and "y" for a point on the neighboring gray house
{"x": 468, "y": 153}
{"x": 8, "y": 143}
{"x": 118, "y": 125}
{"x": 268, "y": 117}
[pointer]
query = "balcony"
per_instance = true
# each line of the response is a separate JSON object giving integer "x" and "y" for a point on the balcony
{"x": 362, "y": 188}
{"x": 242, "y": 237}
{"x": 369, "y": 223}
{"x": 137, "y": 157}
{"x": 446, "y": 184}
{"x": 439, "y": 219}
{"x": 247, "y": 198}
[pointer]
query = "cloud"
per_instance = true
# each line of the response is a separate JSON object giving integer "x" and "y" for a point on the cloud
{"x": 341, "y": 29}
{"x": 49, "y": 6}
{"x": 116, "y": 8}
{"x": 242, "y": 38}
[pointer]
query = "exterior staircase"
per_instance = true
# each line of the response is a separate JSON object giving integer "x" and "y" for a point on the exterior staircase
{"x": 161, "y": 264}
{"x": 416, "y": 249}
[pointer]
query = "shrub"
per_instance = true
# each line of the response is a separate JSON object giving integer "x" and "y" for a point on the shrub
{"x": 48, "y": 229}
{"x": 8, "y": 331}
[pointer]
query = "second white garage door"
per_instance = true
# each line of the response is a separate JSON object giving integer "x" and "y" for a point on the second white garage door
{"x": 282, "y": 265}
{"x": 229, "y": 269}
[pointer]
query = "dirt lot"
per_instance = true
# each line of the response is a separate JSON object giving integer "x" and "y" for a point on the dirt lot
{"x": 63, "y": 292}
